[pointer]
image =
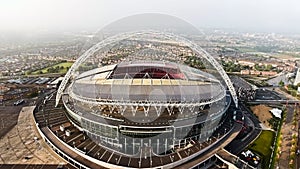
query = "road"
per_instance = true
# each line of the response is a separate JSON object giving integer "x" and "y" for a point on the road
{"x": 239, "y": 144}
{"x": 298, "y": 142}
{"x": 276, "y": 80}
{"x": 289, "y": 114}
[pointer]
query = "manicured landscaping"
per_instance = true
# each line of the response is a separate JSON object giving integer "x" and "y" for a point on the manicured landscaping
{"x": 263, "y": 146}
{"x": 278, "y": 140}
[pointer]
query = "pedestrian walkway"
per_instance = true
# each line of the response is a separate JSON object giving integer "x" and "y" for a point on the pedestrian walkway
{"x": 22, "y": 145}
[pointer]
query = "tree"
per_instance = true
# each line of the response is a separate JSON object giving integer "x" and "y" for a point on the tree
{"x": 281, "y": 83}
{"x": 33, "y": 94}
{"x": 290, "y": 87}
{"x": 269, "y": 67}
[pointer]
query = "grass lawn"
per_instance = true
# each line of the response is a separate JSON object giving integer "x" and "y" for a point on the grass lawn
{"x": 262, "y": 146}
{"x": 64, "y": 64}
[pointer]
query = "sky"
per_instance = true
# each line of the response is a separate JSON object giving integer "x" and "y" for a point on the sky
{"x": 282, "y": 16}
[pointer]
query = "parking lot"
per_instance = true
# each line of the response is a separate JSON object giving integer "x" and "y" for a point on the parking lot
{"x": 266, "y": 94}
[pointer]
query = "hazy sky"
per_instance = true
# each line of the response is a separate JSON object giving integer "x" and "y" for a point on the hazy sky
{"x": 75, "y": 15}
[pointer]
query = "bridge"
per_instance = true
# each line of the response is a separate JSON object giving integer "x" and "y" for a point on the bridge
{"x": 274, "y": 102}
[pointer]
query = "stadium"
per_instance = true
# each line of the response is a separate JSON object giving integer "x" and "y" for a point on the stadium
{"x": 139, "y": 112}
{"x": 143, "y": 104}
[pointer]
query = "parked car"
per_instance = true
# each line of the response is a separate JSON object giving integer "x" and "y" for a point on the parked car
{"x": 19, "y": 102}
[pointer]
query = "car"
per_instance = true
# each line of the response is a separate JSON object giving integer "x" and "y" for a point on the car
{"x": 19, "y": 102}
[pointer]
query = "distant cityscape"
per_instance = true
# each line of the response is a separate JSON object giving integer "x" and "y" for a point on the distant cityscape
{"x": 261, "y": 132}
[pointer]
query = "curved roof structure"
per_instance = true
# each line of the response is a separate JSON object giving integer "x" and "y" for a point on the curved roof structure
{"x": 147, "y": 81}
{"x": 171, "y": 73}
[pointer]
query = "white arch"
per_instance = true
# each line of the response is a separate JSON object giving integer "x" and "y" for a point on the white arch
{"x": 127, "y": 35}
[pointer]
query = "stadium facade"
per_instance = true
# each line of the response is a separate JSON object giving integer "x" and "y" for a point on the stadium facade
{"x": 160, "y": 105}
{"x": 139, "y": 113}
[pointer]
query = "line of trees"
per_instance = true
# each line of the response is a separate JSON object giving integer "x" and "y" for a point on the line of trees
{"x": 233, "y": 67}
{"x": 195, "y": 62}
{"x": 55, "y": 69}
{"x": 263, "y": 67}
